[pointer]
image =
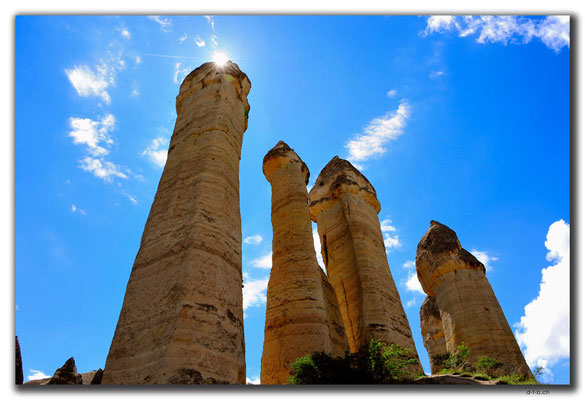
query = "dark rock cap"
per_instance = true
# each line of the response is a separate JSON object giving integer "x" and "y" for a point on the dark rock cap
{"x": 283, "y": 150}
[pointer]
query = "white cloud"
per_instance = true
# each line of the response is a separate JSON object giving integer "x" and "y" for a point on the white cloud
{"x": 102, "y": 169}
{"x": 485, "y": 259}
{"x": 157, "y": 151}
{"x": 553, "y": 31}
{"x": 213, "y": 41}
{"x": 412, "y": 283}
{"x": 436, "y": 74}
{"x": 386, "y": 226}
{"x": 543, "y": 332}
{"x": 180, "y": 73}
{"x": 125, "y": 33}
{"x": 377, "y": 133}
{"x": 209, "y": 19}
{"x": 138, "y": 60}
{"x": 254, "y": 239}
{"x": 253, "y": 381}
{"x": 131, "y": 198}
{"x": 264, "y": 262}
{"x": 89, "y": 83}
{"x": 75, "y": 209}
{"x": 199, "y": 42}
{"x": 36, "y": 374}
{"x": 317, "y": 245}
{"x": 94, "y": 134}
{"x": 165, "y": 23}
{"x": 412, "y": 302}
{"x": 254, "y": 291}
{"x": 391, "y": 242}
{"x": 391, "y": 93}
{"x": 183, "y": 38}
{"x": 135, "y": 93}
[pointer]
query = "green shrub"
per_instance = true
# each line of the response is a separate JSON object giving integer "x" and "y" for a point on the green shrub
{"x": 488, "y": 365}
{"x": 456, "y": 360}
{"x": 439, "y": 360}
{"x": 376, "y": 363}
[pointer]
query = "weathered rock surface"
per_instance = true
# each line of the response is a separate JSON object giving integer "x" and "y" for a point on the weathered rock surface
{"x": 302, "y": 315}
{"x": 182, "y": 316}
{"x": 468, "y": 306}
{"x": 19, "y": 376}
{"x": 433, "y": 334}
{"x": 66, "y": 375}
{"x": 448, "y": 379}
{"x": 87, "y": 378}
{"x": 96, "y": 377}
{"x": 345, "y": 207}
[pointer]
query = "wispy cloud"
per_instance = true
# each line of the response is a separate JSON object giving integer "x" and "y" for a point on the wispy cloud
{"x": 254, "y": 291}
{"x": 131, "y": 198}
{"x": 95, "y": 135}
{"x": 391, "y": 239}
{"x": 544, "y": 331}
{"x": 125, "y": 33}
{"x": 485, "y": 258}
{"x": 317, "y": 245}
{"x": 213, "y": 41}
{"x": 36, "y": 374}
{"x": 253, "y": 381}
{"x": 553, "y": 31}
{"x": 75, "y": 209}
{"x": 180, "y": 72}
{"x": 254, "y": 239}
{"x": 199, "y": 42}
{"x": 209, "y": 19}
{"x": 264, "y": 262}
{"x": 138, "y": 59}
{"x": 436, "y": 74}
{"x": 157, "y": 151}
{"x": 412, "y": 283}
{"x": 376, "y": 135}
{"x": 89, "y": 83}
{"x": 165, "y": 23}
{"x": 183, "y": 38}
{"x": 391, "y": 93}
{"x": 102, "y": 169}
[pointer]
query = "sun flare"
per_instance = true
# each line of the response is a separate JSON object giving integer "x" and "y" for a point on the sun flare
{"x": 220, "y": 59}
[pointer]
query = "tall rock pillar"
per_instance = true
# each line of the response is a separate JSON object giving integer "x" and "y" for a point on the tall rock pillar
{"x": 468, "y": 306}
{"x": 182, "y": 319}
{"x": 345, "y": 207}
{"x": 302, "y": 315}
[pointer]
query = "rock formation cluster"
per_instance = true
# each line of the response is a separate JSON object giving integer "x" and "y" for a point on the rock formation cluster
{"x": 431, "y": 327}
{"x": 302, "y": 315}
{"x": 182, "y": 317}
{"x": 345, "y": 206}
{"x": 467, "y": 306}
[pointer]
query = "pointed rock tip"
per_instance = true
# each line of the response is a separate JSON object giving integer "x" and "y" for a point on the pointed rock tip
{"x": 439, "y": 238}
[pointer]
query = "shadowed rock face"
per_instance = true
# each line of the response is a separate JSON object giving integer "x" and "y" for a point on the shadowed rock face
{"x": 433, "y": 334}
{"x": 302, "y": 314}
{"x": 182, "y": 315}
{"x": 19, "y": 377}
{"x": 345, "y": 207}
{"x": 66, "y": 375}
{"x": 468, "y": 307}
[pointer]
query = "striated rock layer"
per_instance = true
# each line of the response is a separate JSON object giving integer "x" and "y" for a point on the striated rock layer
{"x": 345, "y": 207}
{"x": 302, "y": 314}
{"x": 468, "y": 306}
{"x": 182, "y": 319}
{"x": 433, "y": 334}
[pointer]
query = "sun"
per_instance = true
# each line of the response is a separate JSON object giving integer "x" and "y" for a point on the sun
{"x": 220, "y": 59}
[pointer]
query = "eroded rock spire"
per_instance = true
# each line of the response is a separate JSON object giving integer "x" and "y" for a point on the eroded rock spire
{"x": 182, "y": 318}
{"x": 469, "y": 309}
{"x": 302, "y": 314}
{"x": 344, "y": 205}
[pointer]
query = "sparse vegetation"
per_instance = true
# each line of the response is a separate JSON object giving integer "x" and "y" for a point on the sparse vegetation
{"x": 375, "y": 364}
{"x": 485, "y": 368}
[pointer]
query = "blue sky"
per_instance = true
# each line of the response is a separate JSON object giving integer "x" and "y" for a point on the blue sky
{"x": 464, "y": 120}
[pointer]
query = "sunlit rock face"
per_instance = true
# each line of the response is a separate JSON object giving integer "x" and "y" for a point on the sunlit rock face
{"x": 469, "y": 309}
{"x": 182, "y": 318}
{"x": 302, "y": 314}
{"x": 432, "y": 331}
{"x": 345, "y": 207}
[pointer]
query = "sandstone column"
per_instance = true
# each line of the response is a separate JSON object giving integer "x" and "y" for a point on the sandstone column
{"x": 302, "y": 315}
{"x": 345, "y": 207}
{"x": 433, "y": 334}
{"x": 468, "y": 306}
{"x": 182, "y": 319}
